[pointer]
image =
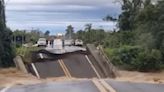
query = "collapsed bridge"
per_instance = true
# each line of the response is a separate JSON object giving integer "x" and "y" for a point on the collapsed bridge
{"x": 79, "y": 64}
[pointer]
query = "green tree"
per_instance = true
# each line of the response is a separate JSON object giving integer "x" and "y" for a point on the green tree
{"x": 88, "y": 27}
{"x": 110, "y": 18}
{"x": 6, "y": 47}
{"x": 130, "y": 8}
{"x": 47, "y": 33}
{"x": 141, "y": 25}
{"x": 80, "y": 34}
{"x": 69, "y": 32}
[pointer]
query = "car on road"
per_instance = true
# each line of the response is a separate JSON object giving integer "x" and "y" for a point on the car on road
{"x": 42, "y": 42}
{"x": 78, "y": 42}
{"x": 68, "y": 42}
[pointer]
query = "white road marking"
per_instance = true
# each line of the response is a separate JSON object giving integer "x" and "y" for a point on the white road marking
{"x": 41, "y": 55}
{"x": 35, "y": 70}
{"x": 6, "y": 88}
{"x": 99, "y": 86}
{"x": 98, "y": 75}
{"x": 107, "y": 86}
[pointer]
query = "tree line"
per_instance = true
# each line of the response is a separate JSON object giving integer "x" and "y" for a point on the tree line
{"x": 6, "y": 47}
{"x": 139, "y": 42}
{"x": 28, "y": 36}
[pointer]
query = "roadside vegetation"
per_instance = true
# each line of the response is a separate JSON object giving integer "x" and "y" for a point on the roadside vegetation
{"x": 25, "y": 52}
{"x": 139, "y": 42}
{"x": 28, "y": 36}
{"x": 25, "y": 42}
{"x": 7, "y": 51}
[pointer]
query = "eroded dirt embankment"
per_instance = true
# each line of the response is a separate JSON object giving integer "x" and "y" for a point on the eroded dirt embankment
{"x": 134, "y": 76}
{"x": 12, "y": 76}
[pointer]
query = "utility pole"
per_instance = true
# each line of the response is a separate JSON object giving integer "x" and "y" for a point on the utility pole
{"x": 2, "y": 13}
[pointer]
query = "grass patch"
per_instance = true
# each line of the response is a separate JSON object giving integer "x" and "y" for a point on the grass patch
{"x": 25, "y": 52}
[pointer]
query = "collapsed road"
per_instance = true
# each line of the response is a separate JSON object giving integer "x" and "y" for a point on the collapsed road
{"x": 69, "y": 65}
{"x": 90, "y": 65}
{"x": 78, "y": 64}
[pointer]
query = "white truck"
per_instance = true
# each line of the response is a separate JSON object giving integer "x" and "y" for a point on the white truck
{"x": 58, "y": 44}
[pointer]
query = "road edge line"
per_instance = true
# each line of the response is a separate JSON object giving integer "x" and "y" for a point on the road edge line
{"x": 107, "y": 86}
{"x": 35, "y": 70}
{"x": 41, "y": 55}
{"x": 98, "y": 85}
{"x": 6, "y": 88}
{"x": 98, "y": 75}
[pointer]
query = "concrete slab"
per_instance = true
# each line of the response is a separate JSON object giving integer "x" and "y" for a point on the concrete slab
{"x": 135, "y": 87}
{"x": 20, "y": 64}
{"x": 76, "y": 86}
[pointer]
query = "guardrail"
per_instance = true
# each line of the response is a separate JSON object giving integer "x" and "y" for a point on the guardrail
{"x": 102, "y": 61}
{"x": 111, "y": 66}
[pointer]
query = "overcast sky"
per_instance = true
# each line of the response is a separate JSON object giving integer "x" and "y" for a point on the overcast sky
{"x": 56, "y": 15}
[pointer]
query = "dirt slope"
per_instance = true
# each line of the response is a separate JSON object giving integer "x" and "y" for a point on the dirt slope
{"x": 134, "y": 76}
{"x": 12, "y": 76}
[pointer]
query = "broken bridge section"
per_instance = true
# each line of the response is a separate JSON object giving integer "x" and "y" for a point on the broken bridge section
{"x": 101, "y": 61}
{"x": 79, "y": 64}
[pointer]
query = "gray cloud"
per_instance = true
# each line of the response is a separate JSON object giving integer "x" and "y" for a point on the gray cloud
{"x": 63, "y": 2}
{"x": 57, "y": 14}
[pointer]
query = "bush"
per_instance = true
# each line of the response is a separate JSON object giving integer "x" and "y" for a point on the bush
{"x": 135, "y": 58}
{"x": 149, "y": 60}
{"x": 118, "y": 39}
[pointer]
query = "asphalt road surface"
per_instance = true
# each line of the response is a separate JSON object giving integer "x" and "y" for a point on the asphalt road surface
{"x": 69, "y": 65}
{"x": 135, "y": 87}
{"x": 49, "y": 69}
{"x": 79, "y": 66}
{"x": 76, "y": 86}
{"x": 94, "y": 85}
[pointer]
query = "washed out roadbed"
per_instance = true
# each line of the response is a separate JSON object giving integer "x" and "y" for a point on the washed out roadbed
{"x": 134, "y": 76}
{"x": 12, "y": 76}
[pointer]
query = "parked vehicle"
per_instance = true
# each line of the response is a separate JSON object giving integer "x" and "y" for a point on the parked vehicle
{"x": 78, "y": 42}
{"x": 42, "y": 42}
{"x": 68, "y": 42}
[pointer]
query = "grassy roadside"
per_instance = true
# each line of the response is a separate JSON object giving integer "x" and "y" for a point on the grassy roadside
{"x": 25, "y": 52}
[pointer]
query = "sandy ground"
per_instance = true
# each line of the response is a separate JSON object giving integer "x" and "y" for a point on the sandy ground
{"x": 14, "y": 77}
{"x": 134, "y": 76}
